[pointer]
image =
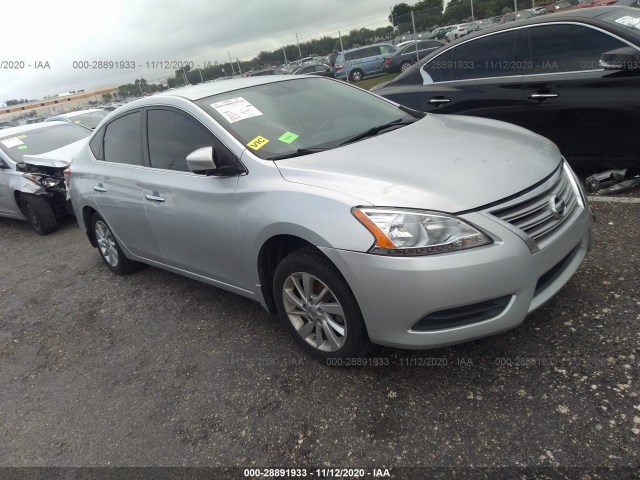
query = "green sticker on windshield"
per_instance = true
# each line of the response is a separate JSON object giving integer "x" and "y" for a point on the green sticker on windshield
{"x": 288, "y": 137}
{"x": 22, "y": 147}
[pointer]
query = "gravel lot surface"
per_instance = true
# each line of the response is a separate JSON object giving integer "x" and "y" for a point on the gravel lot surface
{"x": 153, "y": 369}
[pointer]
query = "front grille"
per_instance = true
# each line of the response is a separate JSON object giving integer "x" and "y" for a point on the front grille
{"x": 535, "y": 216}
{"x": 457, "y": 317}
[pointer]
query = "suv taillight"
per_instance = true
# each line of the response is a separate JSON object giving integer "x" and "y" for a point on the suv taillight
{"x": 387, "y": 60}
{"x": 337, "y": 68}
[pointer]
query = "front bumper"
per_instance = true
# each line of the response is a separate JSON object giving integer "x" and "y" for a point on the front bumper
{"x": 394, "y": 293}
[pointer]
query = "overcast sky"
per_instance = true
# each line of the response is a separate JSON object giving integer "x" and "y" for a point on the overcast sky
{"x": 63, "y": 31}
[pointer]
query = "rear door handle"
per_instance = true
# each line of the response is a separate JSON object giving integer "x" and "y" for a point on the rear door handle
{"x": 154, "y": 198}
{"x": 438, "y": 100}
{"x": 543, "y": 96}
{"x": 99, "y": 188}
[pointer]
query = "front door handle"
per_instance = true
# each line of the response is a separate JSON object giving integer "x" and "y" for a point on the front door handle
{"x": 543, "y": 95}
{"x": 438, "y": 100}
{"x": 99, "y": 188}
{"x": 154, "y": 198}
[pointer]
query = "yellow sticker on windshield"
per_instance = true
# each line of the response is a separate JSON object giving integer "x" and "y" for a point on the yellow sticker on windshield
{"x": 22, "y": 136}
{"x": 257, "y": 143}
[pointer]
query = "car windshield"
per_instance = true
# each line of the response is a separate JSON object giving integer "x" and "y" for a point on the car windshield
{"x": 625, "y": 17}
{"x": 89, "y": 119}
{"x": 292, "y": 117}
{"x": 41, "y": 140}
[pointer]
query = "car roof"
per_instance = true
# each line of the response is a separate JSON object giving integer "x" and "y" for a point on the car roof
{"x": 11, "y": 131}
{"x": 564, "y": 16}
{"x": 586, "y": 15}
{"x": 203, "y": 90}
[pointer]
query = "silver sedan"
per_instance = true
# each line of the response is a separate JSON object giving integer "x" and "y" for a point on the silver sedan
{"x": 358, "y": 221}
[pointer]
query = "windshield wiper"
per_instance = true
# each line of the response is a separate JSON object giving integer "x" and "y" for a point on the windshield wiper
{"x": 299, "y": 152}
{"x": 376, "y": 130}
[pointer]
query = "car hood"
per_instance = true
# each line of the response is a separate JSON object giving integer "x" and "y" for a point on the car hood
{"x": 442, "y": 162}
{"x": 58, "y": 158}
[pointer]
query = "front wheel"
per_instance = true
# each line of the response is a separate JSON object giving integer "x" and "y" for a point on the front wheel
{"x": 39, "y": 213}
{"x": 110, "y": 251}
{"x": 318, "y": 307}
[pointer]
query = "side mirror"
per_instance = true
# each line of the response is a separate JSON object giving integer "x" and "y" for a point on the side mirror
{"x": 201, "y": 160}
{"x": 625, "y": 58}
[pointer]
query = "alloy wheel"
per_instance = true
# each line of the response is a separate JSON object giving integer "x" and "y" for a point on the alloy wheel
{"x": 314, "y": 312}
{"x": 106, "y": 243}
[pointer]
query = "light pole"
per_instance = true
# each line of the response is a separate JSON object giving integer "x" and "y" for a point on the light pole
{"x": 233, "y": 72}
{"x": 298, "y": 42}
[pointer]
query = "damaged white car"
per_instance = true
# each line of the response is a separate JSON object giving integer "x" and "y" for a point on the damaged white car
{"x": 33, "y": 159}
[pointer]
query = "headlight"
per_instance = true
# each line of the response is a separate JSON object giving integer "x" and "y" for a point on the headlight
{"x": 42, "y": 180}
{"x": 414, "y": 232}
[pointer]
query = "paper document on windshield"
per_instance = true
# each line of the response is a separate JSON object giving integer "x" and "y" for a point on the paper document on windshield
{"x": 629, "y": 21}
{"x": 236, "y": 109}
{"x": 12, "y": 142}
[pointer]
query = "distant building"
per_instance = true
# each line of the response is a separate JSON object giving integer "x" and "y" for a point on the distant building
{"x": 54, "y": 105}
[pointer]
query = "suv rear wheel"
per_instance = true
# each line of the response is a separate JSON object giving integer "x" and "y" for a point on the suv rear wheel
{"x": 39, "y": 213}
{"x": 406, "y": 65}
{"x": 356, "y": 75}
{"x": 318, "y": 307}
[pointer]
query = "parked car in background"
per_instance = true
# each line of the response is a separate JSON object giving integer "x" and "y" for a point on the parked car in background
{"x": 32, "y": 161}
{"x": 256, "y": 186}
{"x": 407, "y": 37}
{"x": 85, "y": 118}
{"x": 513, "y": 16}
{"x": 537, "y": 10}
{"x": 358, "y": 63}
{"x": 267, "y": 71}
{"x": 560, "y": 6}
{"x": 320, "y": 69}
{"x": 600, "y": 3}
{"x": 405, "y": 56}
{"x": 488, "y": 22}
{"x": 573, "y": 77}
{"x": 33, "y": 120}
{"x": 457, "y": 32}
{"x": 440, "y": 33}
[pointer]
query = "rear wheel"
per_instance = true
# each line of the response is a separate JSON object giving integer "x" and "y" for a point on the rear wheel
{"x": 39, "y": 213}
{"x": 318, "y": 307}
{"x": 110, "y": 251}
{"x": 356, "y": 75}
{"x": 406, "y": 65}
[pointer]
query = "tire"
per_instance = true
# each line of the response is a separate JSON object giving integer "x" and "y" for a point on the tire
{"x": 338, "y": 333}
{"x": 356, "y": 75}
{"x": 39, "y": 213}
{"x": 111, "y": 253}
{"x": 406, "y": 65}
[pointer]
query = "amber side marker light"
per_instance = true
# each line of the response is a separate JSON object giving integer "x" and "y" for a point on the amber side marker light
{"x": 381, "y": 239}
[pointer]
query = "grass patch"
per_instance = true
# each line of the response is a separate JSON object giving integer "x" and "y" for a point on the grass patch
{"x": 367, "y": 83}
